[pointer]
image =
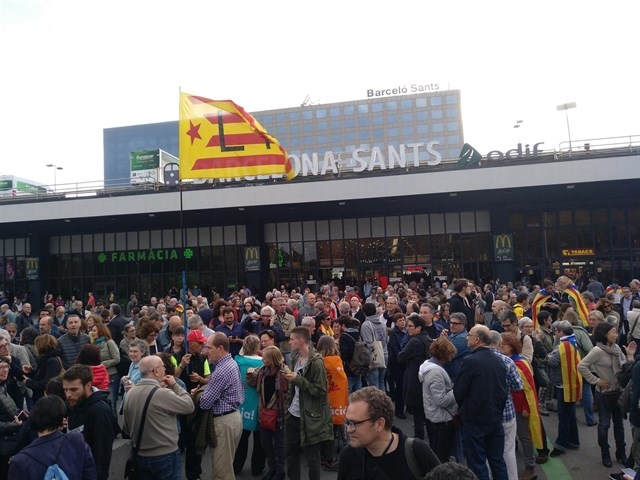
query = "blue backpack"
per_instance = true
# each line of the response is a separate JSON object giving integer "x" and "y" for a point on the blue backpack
{"x": 54, "y": 472}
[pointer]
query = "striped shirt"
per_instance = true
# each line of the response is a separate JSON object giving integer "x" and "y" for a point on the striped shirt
{"x": 224, "y": 392}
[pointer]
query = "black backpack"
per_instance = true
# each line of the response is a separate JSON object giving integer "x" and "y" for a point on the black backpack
{"x": 362, "y": 357}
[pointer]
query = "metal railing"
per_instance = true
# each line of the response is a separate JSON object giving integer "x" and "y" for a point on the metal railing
{"x": 577, "y": 149}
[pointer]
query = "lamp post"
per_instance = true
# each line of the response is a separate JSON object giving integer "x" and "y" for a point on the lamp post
{"x": 55, "y": 167}
{"x": 566, "y": 107}
{"x": 518, "y": 124}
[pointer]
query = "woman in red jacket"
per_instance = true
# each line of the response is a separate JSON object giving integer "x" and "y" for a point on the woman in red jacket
{"x": 90, "y": 355}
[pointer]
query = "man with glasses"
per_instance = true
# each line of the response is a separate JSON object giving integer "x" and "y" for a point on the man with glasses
{"x": 458, "y": 336}
{"x": 375, "y": 444}
{"x": 158, "y": 454}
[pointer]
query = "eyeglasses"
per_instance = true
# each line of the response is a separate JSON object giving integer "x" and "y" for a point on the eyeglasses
{"x": 4, "y": 367}
{"x": 456, "y": 323}
{"x": 4, "y": 345}
{"x": 351, "y": 425}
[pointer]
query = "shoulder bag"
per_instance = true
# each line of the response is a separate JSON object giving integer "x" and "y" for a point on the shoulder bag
{"x": 131, "y": 468}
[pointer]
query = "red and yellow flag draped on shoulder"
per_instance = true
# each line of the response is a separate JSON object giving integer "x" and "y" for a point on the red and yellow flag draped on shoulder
{"x": 541, "y": 297}
{"x": 571, "y": 378}
{"x": 581, "y": 307}
{"x": 526, "y": 374}
{"x": 218, "y": 139}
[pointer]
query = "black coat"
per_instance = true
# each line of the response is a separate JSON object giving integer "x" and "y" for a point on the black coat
{"x": 458, "y": 304}
{"x": 414, "y": 353}
{"x": 49, "y": 366}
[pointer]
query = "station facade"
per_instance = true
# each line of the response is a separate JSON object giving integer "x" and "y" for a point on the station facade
{"x": 398, "y": 205}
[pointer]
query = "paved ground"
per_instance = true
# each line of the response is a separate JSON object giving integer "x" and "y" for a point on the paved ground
{"x": 581, "y": 464}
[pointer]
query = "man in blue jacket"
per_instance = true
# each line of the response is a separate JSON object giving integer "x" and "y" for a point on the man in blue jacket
{"x": 481, "y": 392}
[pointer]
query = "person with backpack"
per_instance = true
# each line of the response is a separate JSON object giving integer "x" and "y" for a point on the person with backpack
{"x": 53, "y": 455}
{"x": 355, "y": 365}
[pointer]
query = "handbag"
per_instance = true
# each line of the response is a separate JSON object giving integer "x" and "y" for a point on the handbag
{"x": 267, "y": 416}
{"x": 540, "y": 377}
{"x": 378, "y": 355}
{"x": 610, "y": 399}
{"x": 131, "y": 467}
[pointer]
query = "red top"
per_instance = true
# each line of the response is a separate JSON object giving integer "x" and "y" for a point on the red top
{"x": 100, "y": 377}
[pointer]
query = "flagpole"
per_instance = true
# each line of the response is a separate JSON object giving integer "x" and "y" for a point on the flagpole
{"x": 184, "y": 271}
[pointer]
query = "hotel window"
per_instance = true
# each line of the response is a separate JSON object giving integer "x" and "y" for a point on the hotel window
{"x": 453, "y": 126}
{"x": 423, "y": 116}
{"x": 422, "y": 129}
{"x": 363, "y": 108}
{"x": 321, "y": 113}
{"x": 307, "y": 114}
{"x": 349, "y": 109}
{"x": 451, "y": 99}
{"x": 294, "y": 116}
{"x": 392, "y": 105}
{"x": 436, "y": 114}
{"x": 436, "y": 101}
{"x": 334, "y": 112}
{"x": 376, "y": 107}
{"x": 421, "y": 102}
{"x": 281, "y": 118}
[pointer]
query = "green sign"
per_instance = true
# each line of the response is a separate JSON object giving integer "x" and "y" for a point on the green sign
{"x": 28, "y": 187}
{"x": 151, "y": 255}
{"x": 145, "y": 160}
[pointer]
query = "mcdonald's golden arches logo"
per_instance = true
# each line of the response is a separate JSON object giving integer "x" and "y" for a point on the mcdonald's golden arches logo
{"x": 251, "y": 259}
{"x": 503, "y": 247}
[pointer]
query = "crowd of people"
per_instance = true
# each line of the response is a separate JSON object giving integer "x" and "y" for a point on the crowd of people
{"x": 321, "y": 374}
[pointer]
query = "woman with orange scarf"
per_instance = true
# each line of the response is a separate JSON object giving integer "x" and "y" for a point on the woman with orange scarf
{"x": 526, "y": 404}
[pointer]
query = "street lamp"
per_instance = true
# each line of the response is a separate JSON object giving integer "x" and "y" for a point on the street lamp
{"x": 55, "y": 167}
{"x": 566, "y": 107}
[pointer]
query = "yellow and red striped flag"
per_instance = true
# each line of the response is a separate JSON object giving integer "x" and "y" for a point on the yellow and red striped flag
{"x": 571, "y": 378}
{"x": 580, "y": 306}
{"x": 218, "y": 139}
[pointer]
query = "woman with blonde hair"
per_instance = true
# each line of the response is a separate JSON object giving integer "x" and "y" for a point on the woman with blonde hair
{"x": 249, "y": 358}
{"x": 272, "y": 386}
{"x": 338, "y": 388}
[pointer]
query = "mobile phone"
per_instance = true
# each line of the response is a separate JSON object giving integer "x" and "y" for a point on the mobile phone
{"x": 22, "y": 415}
{"x": 629, "y": 471}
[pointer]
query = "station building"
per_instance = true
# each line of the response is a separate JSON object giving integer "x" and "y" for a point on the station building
{"x": 380, "y": 194}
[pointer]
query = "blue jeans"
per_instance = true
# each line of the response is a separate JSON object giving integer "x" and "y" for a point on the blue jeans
{"x": 567, "y": 423}
{"x": 162, "y": 467}
{"x": 114, "y": 386}
{"x": 375, "y": 378}
{"x": 587, "y": 403}
{"x": 485, "y": 442}
{"x": 355, "y": 383}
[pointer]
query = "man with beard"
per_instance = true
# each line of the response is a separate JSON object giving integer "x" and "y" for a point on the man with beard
{"x": 90, "y": 414}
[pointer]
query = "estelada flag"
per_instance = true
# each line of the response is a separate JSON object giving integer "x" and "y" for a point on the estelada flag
{"x": 571, "y": 378}
{"x": 531, "y": 396}
{"x": 218, "y": 139}
{"x": 580, "y": 306}
{"x": 540, "y": 300}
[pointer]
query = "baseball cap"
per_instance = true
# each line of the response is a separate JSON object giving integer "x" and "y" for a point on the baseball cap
{"x": 196, "y": 336}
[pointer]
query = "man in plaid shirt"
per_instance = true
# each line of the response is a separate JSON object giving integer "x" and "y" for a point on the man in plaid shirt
{"x": 223, "y": 395}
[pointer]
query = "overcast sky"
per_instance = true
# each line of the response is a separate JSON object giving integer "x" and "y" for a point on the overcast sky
{"x": 71, "y": 68}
